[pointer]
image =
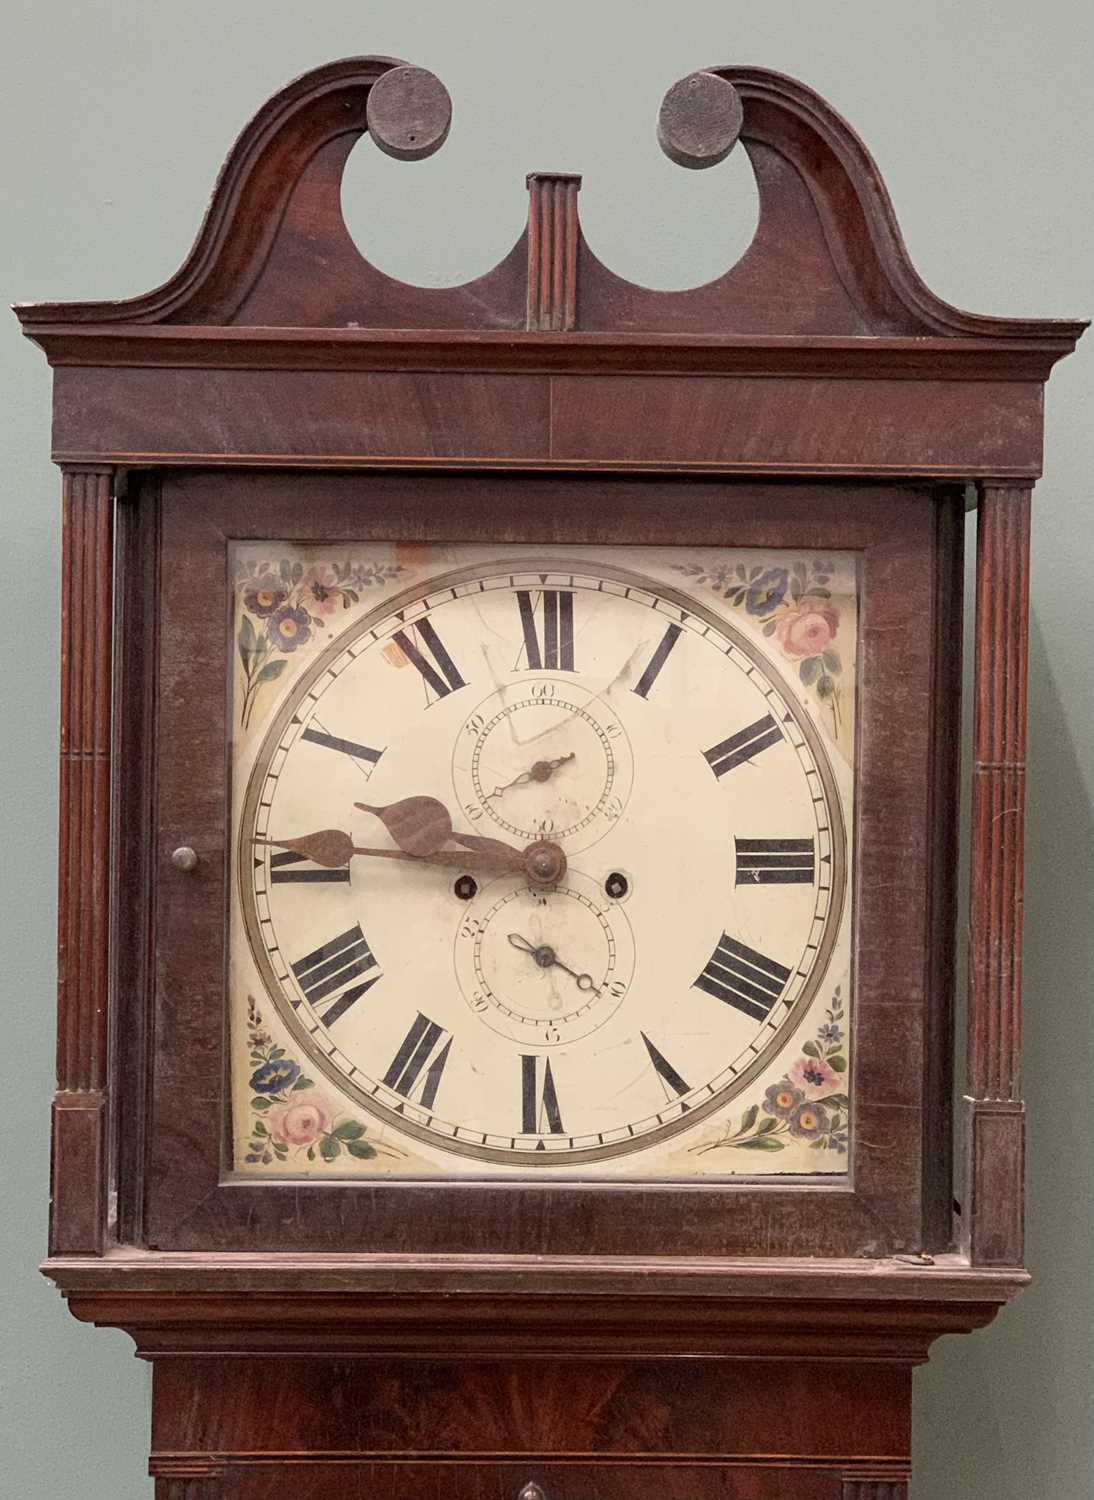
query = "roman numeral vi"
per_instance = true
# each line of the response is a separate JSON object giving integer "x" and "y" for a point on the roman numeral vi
{"x": 538, "y": 1099}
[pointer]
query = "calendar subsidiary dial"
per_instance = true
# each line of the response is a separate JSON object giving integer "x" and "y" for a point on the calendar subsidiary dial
{"x": 541, "y": 861}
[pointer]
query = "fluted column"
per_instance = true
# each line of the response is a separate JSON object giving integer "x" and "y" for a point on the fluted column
{"x": 552, "y": 250}
{"x": 79, "y": 1110}
{"x": 993, "y": 1209}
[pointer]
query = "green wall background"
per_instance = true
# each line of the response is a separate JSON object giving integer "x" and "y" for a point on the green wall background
{"x": 115, "y": 118}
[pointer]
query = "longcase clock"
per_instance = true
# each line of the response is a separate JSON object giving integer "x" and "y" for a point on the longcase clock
{"x": 510, "y": 763}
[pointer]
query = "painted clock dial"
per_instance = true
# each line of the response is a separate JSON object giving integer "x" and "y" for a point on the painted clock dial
{"x": 488, "y": 1010}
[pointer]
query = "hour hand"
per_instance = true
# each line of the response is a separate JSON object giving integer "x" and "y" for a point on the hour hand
{"x": 333, "y": 849}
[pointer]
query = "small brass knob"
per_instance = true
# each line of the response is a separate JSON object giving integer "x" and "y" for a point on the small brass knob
{"x": 184, "y": 859}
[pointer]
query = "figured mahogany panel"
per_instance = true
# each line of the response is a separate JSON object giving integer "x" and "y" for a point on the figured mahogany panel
{"x": 333, "y": 418}
{"x": 334, "y": 1429}
{"x": 993, "y": 1227}
{"x": 78, "y": 1215}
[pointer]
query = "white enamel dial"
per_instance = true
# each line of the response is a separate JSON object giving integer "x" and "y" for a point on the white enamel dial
{"x": 696, "y": 815}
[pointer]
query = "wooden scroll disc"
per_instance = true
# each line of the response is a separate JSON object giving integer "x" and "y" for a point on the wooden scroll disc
{"x": 408, "y": 113}
{"x": 700, "y": 120}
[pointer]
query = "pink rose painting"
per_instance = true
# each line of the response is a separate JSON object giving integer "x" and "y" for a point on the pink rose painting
{"x": 795, "y": 606}
{"x": 807, "y": 629}
{"x": 302, "y": 1123}
{"x": 288, "y": 1120}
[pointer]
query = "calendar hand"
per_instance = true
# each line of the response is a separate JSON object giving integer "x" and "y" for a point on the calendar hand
{"x": 546, "y": 957}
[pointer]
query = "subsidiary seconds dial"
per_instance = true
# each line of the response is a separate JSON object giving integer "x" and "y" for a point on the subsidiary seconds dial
{"x": 547, "y": 758}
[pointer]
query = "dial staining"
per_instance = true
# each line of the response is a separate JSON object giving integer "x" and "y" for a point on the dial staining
{"x": 539, "y": 1101}
{"x": 743, "y": 978}
{"x": 330, "y": 969}
{"x": 550, "y": 647}
{"x": 441, "y": 674}
{"x": 424, "y": 1050}
{"x": 743, "y": 745}
{"x": 775, "y": 861}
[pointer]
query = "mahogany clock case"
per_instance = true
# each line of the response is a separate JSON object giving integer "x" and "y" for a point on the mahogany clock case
{"x": 171, "y": 1025}
{"x": 730, "y": 1340}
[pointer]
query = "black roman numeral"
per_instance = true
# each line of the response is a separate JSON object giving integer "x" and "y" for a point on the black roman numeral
{"x": 440, "y": 674}
{"x": 283, "y": 871}
{"x": 553, "y": 649}
{"x": 420, "y": 1062}
{"x": 743, "y": 745}
{"x": 657, "y": 660}
{"x": 775, "y": 861}
{"x": 665, "y": 1070}
{"x": 539, "y": 1102}
{"x": 743, "y": 978}
{"x": 347, "y": 747}
{"x": 329, "y": 971}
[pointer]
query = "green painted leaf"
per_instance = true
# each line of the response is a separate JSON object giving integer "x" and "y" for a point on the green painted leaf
{"x": 329, "y": 1148}
{"x": 754, "y": 573}
{"x": 809, "y": 670}
{"x": 247, "y": 643}
{"x": 282, "y": 1151}
{"x": 825, "y": 688}
{"x": 361, "y": 1149}
{"x": 771, "y": 1123}
{"x": 770, "y": 626}
{"x": 749, "y": 1118}
{"x": 303, "y": 1083}
{"x": 760, "y": 1143}
{"x": 311, "y": 1153}
{"x": 276, "y": 1052}
{"x": 349, "y": 1130}
{"x": 832, "y": 662}
{"x": 259, "y": 1128}
{"x": 741, "y": 572}
{"x": 838, "y": 1063}
{"x": 821, "y": 593}
{"x": 811, "y": 1049}
{"x": 838, "y": 1101}
{"x": 259, "y": 1103}
{"x": 271, "y": 670}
